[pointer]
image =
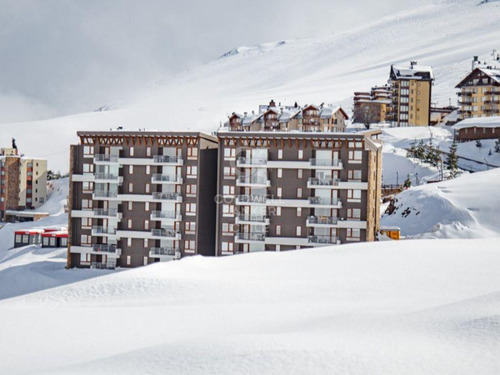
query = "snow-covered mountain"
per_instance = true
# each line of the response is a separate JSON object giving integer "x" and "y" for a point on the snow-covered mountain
{"x": 444, "y": 34}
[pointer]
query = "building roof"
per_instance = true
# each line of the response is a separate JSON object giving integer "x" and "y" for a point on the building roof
{"x": 58, "y": 234}
{"x": 479, "y": 122}
{"x": 29, "y": 231}
{"x": 494, "y": 74}
{"x": 145, "y": 134}
{"x": 418, "y": 72}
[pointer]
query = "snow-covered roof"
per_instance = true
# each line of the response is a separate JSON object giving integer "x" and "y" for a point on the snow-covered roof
{"x": 492, "y": 73}
{"x": 412, "y": 72}
{"x": 481, "y": 122}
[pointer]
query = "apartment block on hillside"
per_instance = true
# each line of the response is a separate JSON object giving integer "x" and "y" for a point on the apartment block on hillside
{"x": 141, "y": 197}
{"x": 281, "y": 189}
{"x": 23, "y": 183}
{"x": 479, "y": 94}
{"x": 372, "y": 107}
{"x": 411, "y": 94}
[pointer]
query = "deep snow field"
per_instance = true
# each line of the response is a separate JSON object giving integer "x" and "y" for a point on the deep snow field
{"x": 401, "y": 307}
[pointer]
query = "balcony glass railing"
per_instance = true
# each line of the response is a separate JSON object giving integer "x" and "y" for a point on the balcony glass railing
{"x": 252, "y": 161}
{"x": 105, "y": 194}
{"x": 324, "y": 201}
{"x": 104, "y": 248}
{"x": 251, "y": 236}
{"x": 166, "y": 196}
{"x": 322, "y": 220}
{"x": 253, "y": 218}
{"x": 163, "y": 214}
{"x": 323, "y": 239}
{"x": 325, "y": 162}
{"x": 323, "y": 181}
{"x": 170, "y": 251}
{"x": 104, "y": 157}
{"x": 105, "y": 212}
{"x": 253, "y": 180}
{"x": 252, "y": 198}
{"x": 105, "y": 176}
{"x": 165, "y": 177}
{"x": 166, "y": 159}
{"x": 164, "y": 232}
{"x": 103, "y": 230}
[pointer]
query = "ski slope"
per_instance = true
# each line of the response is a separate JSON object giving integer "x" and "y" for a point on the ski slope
{"x": 465, "y": 207}
{"x": 401, "y": 307}
{"x": 322, "y": 69}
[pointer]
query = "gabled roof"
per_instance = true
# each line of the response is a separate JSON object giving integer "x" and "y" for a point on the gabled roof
{"x": 419, "y": 72}
{"x": 494, "y": 74}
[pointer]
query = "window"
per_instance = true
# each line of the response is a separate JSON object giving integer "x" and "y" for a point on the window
{"x": 299, "y": 192}
{"x": 190, "y": 226}
{"x": 192, "y": 152}
{"x": 88, "y": 150}
{"x": 227, "y": 210}
{"x": 130, "y": 187}
{"x": 130, "y": 206}
{"x": 278, "y": 211}
{"x": 146, "y": 243}
{"x": 86, "y": 204}
{"x": 279, "y": 192}
{"x": 148, "y": 169}
{"x": 18, "y": 238}
{"x": 353, "y": 174}
{"x": 131, "y": 169}
{"x": 280, "y": 154}
{"x": 192, "y": 171}
{"x": 129, "y": 260}
{"x": 278, "y": 230}
{"x": 131, "y": 151}
{"x": 299, "y": 173}
{"x": 85, "y": 239}
{"x": 146, "y": 224}
{"x": 301, "y": 154}
{"x": 299, "y": 211}
{"x": 228, "y": 190}
{"x": 227, "y": 229}
{"x": 298, "y": 231}
{"x": 353, "y": 234}
{"x": 88, "y": 168}
{"x": 148, "y": 188}
{"x": 191, "y": 189}
{"x": 279, "y": 173}
{"x": 354, "y": 195}
{"x": 227, "y": 246}
{"x": 229, "y": 172}
{"x": 354, "y": 213}
{"x": 129, "y": 242}
{"x": 146, "y": 206}
{"x": 190, "y": 209}
{"x": 148, "y": 151}
{"x": 84, "y": 258}
{"x": 229, "y": 153}
{"x": 355, "y": 156}
{"x": 129, "y": 223}
{"x": 86, "y": 222}
{"x": 189, "y": 245}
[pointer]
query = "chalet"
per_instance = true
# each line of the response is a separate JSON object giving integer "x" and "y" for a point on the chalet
{"x": 477, "y": 128}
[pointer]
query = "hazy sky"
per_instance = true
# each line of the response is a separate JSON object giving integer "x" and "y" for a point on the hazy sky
{"x": 65, "y": 56}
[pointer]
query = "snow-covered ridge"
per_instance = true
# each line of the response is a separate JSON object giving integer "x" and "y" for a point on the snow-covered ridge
{"x": 444, "y": 35}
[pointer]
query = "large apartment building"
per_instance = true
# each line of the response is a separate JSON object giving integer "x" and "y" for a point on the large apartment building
{"x": 411, "y": 94}
{"x": 141, "y": 197}
{"x": 23, "y": 182}
{"x": 479, "y": 94}
{"x": 282, "y": 189}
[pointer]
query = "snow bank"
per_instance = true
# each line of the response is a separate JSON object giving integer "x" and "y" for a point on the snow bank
{"x": 466, "y": 207}
{"x": 412, "y": 307}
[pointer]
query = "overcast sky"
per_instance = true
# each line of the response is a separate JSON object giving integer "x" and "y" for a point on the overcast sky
{"x": 65, "y": 56}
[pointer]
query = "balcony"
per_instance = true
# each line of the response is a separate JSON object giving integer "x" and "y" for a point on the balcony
{"x": 245, "y": 200}
{"x": 249, "y": 237}
{"x": 105, "y": 194}
{"x": 167, "y": 160}
{"x": 314, "y": 183}
{"x": 102, "y": 266}
{"x": 105, "y": 159}
{"x": 251, "y": 162}
{"x": 165, "y": 216}
{"x": 323, "y": 240}
{"x": 167, "y": 197}
{"x": 159, "y": 178}
{"x": 326, "y": 163}
{"x": 101, "y": 212}
{"x": 325, "y": 202}
{"x": 100, "y": 177}
{"x": 106, "y": 249}
{"x": 253, "y": 181}
{"x": 164, "y": 253}
{"x": 103, "y": 231}
{"x": 321, "y": 221}
{"x": 464, "y": 93}
{"x": 166, "y": 233}
{"x": 252, "y": 219}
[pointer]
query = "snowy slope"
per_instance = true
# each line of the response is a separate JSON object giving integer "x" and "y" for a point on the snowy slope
{"x": 444, "y": 34}
{"x": 466, "y": 207}
{"x": 407, "y": 307}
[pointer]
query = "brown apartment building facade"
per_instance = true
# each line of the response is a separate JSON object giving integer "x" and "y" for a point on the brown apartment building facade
{"x": 283, "y": 190}
{"x": 141, "y": 197}
{"x": 23, "y": 182}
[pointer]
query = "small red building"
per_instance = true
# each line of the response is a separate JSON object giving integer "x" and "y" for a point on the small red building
{"x": 475, "y": 128}
{"x": 27, "y": 237}
{"x": 55, "y": 239}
